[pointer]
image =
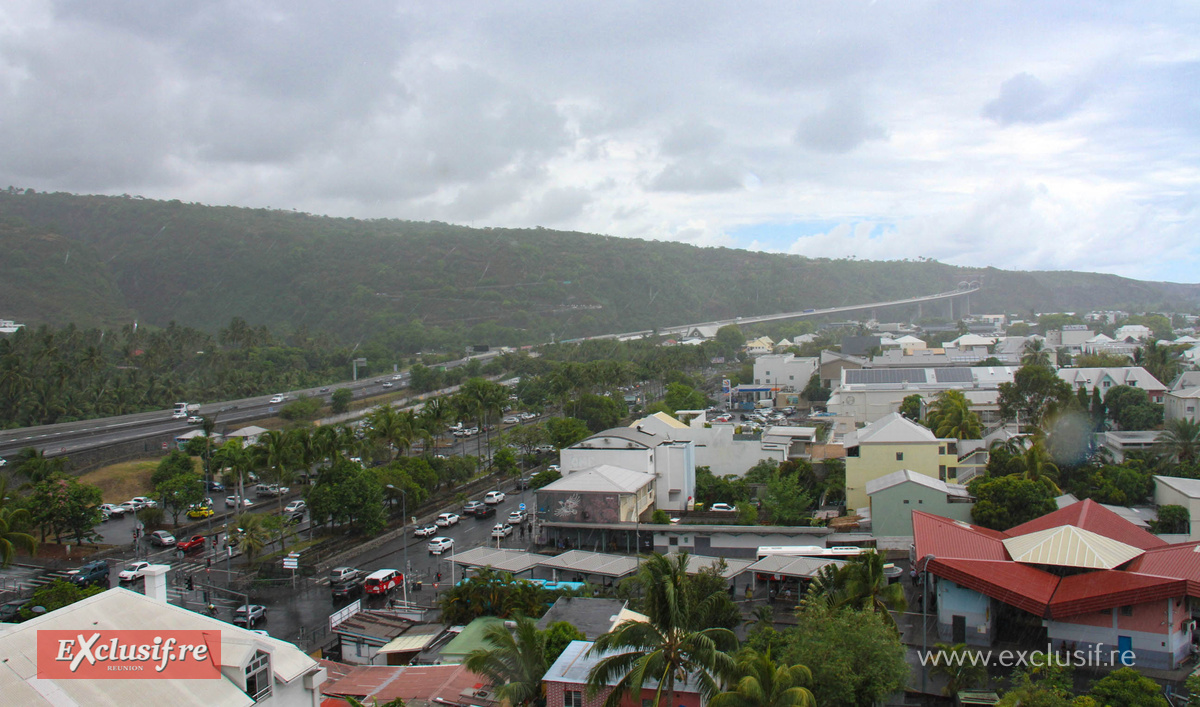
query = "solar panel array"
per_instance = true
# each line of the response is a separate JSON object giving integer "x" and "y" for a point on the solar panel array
{"x": 878, "y": 376}
{"x": 953, "y": 375}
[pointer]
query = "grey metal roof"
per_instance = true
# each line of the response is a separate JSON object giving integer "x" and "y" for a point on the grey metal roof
{"x": 592, "y": 616}
{"x": 504, "y": 559}
{"x": 733, "y": 566}
{"x": 806, "y": 567}
{"x": 585, "y": 562}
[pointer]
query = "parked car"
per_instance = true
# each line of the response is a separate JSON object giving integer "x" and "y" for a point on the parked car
{"x": 344, "y": 574}
{"x": 132, "y": 571}
{"x": 200, "y": 511}
{"x": 445, "y": 520}
{"x": 249, "y": 614}
{"x": 162, "y": 538}
{"x": 114, "y": 511}
{"x": 485, "y": 512}
{"x": 382, "y": 581}
{"x": 146, "y": 501}
{"x": 554, "y": 468}
{"x": 527, "y": 416}
{"x": 93, "y": 573}
{"x": 232, "y": 502}
{"x": 440, "y": 544}
{"x": 196, "y": 542}
{"x": 721, "y": 507}
{"x": 501, "y": 530}
{"x": 9, "y": 611}
{"x": 425, "y": 531}
{"x": 346, "y": 590}
{"x": 216, "y": 486}
{"x": 130, "y": 507}
{"x": 271, "y": 490}
{"x": 516, "y": 517}
{"x": 472, "y": 507}
{"x": 294, "y": 506}
{"x": 522, "y": 483}
{"x": 494, "y": 497}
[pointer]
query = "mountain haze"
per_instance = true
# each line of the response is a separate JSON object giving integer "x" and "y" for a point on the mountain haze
{"x": 101, "y": 260}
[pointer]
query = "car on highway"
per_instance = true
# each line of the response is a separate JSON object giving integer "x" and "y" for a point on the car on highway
{"x": 232, "y": 502}
{"x": 445, "y": 520}
{"x": 516, "y": 517}
{"x": 440, "y": 544}
{"x": 494, "y": 497}
{"x": 398, "y": 376}
{"x": 425, "y": 531}
{"x": 196, "y": 542}
{"x": 195, "y": 420}
{"x": 271, "y": 490}
{"x": 382, "y": 581}
{"x": 344, "y": 574}
{"x": 722, "y": 507}
{"x": 200, "y": 511}
{"x": 511, "y": 420}
{"x": 501, "y": 530}
{"x": 527, "y": 416}
{"x": 249, "y": 614}
{"x": 294, "y": 506}
{"x": 3, "y": 461}
{"x": 162, "y": 538}
{"x": 472, "y": 507}
{"x": 276, "y": 399}
{"x": 113, "y": 511}
{"x": 179, "y": 414}
{"x": 132, "y": 571}
{"x": 388, "y": 384}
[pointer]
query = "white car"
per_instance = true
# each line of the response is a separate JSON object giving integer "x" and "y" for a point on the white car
{"x": 195, "y": 420}
{"x": 527, "y": 416}
{"x": 446, "y": 520}
{"x": 501, "y": 530}
{"x": 494, "y": 497}
{"x": 277, "y": 399}
{"x": 132, "y": 571}
{"x": 424, "y": 531}
{"x": 511, "y": 420}
{"x": 387, "y": 384}
{"x": 552, "y": 467}
{"x": 516, "y": 517}
{"x": 232, "y": 502}
{"x": 294, "y": 506}
{"x": 178, "y": 415}
{"x": 398, "y": 376}
{"x": 110, "y": 509}
{"x": 439, "y": 545}
{"x": 145, "y": 502}
{"x": 722, "y": 507}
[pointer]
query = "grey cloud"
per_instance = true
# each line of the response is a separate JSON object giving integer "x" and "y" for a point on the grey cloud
{"x": 697, "y": 175}
{"x": 692, "y": 137}
{"x": 839, "y": 128}
{"x": 1026, "y": 99}
{"x": 559, "y": 206}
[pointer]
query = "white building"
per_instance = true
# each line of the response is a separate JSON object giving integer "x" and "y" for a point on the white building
{"x": 640, "y": 449}
{"x": 1133, "y": 331}
{"x": 785, "y": 372}
{"x": 868, "y": 394}
{"x": 1105, "y": 378}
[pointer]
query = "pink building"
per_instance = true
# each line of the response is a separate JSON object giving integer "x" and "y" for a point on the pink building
{"x": 566, "y": 683}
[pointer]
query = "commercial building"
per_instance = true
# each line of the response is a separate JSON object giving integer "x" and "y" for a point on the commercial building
{"x": 671, "y": 463}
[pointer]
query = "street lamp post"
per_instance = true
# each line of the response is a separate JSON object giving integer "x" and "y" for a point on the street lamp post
{"x": 404, "y": 534}
{"x": 925, "y": 619}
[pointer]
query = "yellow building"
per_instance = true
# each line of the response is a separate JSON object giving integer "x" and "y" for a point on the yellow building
{"x": 890, "y": 444}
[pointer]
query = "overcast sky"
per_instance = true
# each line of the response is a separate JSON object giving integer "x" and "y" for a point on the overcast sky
{"x": 1034, "y": 135}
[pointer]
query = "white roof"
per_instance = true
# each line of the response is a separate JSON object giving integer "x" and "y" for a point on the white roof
{"x": 906, "y": 475}
{"x": 1070, "y": 546}
{"x": 909, "y": 339}
{"x": 503, "y": 559}
{"x": 247, "y": 431}
{"x": 1187, "y": 487}
{"x": 602, "y": 478}
{"x": 1122, "y": 375}
{"x": 892, "y": 428}
{"x": 120, "y": 608}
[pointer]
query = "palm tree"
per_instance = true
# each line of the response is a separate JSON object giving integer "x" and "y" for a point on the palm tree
{"x": 764, "y": 683}
{"x": 961, "y": 672}
{"x": 276, "y": 451}
{"x": 253, "y": 534}
{"x": 951, "y": 416}
{"x": 1180, "y": 439}
{"x": 1035, "y": 353}
{"x": 13, "y": 521}
{"x": 1036, "y": 466}
{"x": 861, "y": 584}
{"x": 515, "y": 662}
{"x": 238, "y": 460}
{"x": 668, "y": 648}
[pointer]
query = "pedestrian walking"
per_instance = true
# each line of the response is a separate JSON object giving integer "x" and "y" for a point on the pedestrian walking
{"x": 912, "y": 574}
{"x": 787, "y": 595}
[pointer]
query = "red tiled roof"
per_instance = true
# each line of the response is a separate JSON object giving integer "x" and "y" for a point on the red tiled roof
{"x": 1181, "y": 561}
{"x": 1025, "y": 587}
{"x": 409, "y": 682}
{"x": 944, "y": 538}
{"x": 1092, "y": 516}
{"x": 1096, "y": 591}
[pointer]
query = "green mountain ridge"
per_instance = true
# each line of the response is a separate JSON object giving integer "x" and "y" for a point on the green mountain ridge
{"x": 197, "y": 265}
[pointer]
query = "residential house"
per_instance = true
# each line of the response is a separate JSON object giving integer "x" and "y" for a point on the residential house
{"x": 1133, "y": 331}
{"x": 761, "y": 346}
{"x": 1182, "y": 404}
{"x": 599, "y": 494}
{"x": 890, "y": 444}
{"x": 1105, "y": 378}
{"x": 1180, "y": 491}
{"x": 910, "y": 343}
{"x": 671, "y": 462}
{"x": 417, "y": 685}
{"x": 249, "y": 435}
{"x": 592, "y": 616}
{"x": 383, "y": 638}
{"x": 1096, "y": 583}
{"x": 566, "y": 683}
{"x": 972, "y": 342}
{"x": 895, "y": 496}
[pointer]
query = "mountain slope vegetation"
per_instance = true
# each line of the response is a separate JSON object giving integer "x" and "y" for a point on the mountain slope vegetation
{"x": 425, "y": 284}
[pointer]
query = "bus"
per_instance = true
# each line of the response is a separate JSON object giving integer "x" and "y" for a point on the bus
{"x": 843, "y": 552}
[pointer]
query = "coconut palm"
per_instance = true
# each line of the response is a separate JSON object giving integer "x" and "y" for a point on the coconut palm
{"x": 668, "y": 648}
{"x": 860, "y": 583}
{"x": 762, "y": 682}
{"x": 1035, "y": 353}
{"x": 253, "y": 534}
{"x": 13, "y": 521}
{"x": 1180, "y": 439}
{"x": 950, "y": 416}
{"x": 1036, "y": 466}
{"x": 515, "y": 662}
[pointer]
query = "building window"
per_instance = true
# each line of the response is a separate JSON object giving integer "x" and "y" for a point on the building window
{"x": 852, "y": 452}
{"x": 942, "y": 449}
{"x": 258, "y": 677}
{"x": 672, "y": 541}
{"x": 942, "y": 472}
{"x": 906, "y": 501}
{"x": 573, "y": 698}
{"x": 1127, "y": 611}
{"x": 899, "y": 456}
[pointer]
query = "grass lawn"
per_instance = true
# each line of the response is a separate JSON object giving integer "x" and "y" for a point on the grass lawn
{"x": 121, "y": 482}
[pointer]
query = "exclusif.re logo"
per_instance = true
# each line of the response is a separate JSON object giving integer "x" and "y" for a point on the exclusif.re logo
{"x": 125, "y": 655}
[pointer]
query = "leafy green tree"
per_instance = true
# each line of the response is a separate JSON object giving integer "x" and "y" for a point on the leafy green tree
{"x": 1131, "y": 408}
{"x": 786, "y": 502}
{"x": 492, "y": 593}
{"x": 910, "y": 407}
{"x": 506, "y": 462}
{"x": 1126, "y": 687}
{"x": 660, "y": 517}
{"x": 56, "y": 595}
{"x": 543, "y": 478}
{"x": 672, "y": 643}
{"x": 175, "y": 463}
{"x": 859, "y": 584}
{"x": 1042, "y": 682}
{"x": 960, "y": 671}
{"x": 339, "y": 402}
{"x": 514, "y": 662}
{"x": 180, "y": 492}
{"x": 683, "y": 397}
{"x": 558, "y": 636}
{"x": 1172, "y": 519}
{"x": 64, "y": 505}
{"x": 346, "y": 494}
{"x": 565, "y": 431}
{"x": 14, "y": 521}
{"x": 761, "y": 682}
{"x": 598, "y": 412}
{"x": 304, "y": 408}
{"x": 1007, "y": 501}
{"x": 1035, "y": 393}
{"x": 856, "y": 657}
{"x": 814, "y": 392}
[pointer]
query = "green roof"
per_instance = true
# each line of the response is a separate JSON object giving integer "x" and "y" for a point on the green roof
{"x": 459, "y": 647}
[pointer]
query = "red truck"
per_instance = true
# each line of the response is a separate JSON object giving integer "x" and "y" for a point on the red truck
{"x": 196, "y": 543}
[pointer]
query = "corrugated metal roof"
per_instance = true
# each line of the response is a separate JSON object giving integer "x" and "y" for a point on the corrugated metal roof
{"x": 1180, "y": 561}
{"x": 733, "y": 566}
{"x": 1027, "y": 588}
{"x": 408, "y": 644}
{"x": 806, "y": 567}
{"x": 1096, "y": 591}
{"x": 503, "y": 559}
{"x": 603, "y": 478}
{"x": 592, "y": 563}
{"x": 1070, "y": 546}
{"x": 1092, "y": 516}
{"x": 945, "y": 538}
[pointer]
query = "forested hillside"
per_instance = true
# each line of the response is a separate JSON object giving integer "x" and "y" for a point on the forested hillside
{"x": 96, "y": 260}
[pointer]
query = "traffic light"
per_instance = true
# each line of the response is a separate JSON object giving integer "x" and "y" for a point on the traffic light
{"x": 191, "y": 584}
